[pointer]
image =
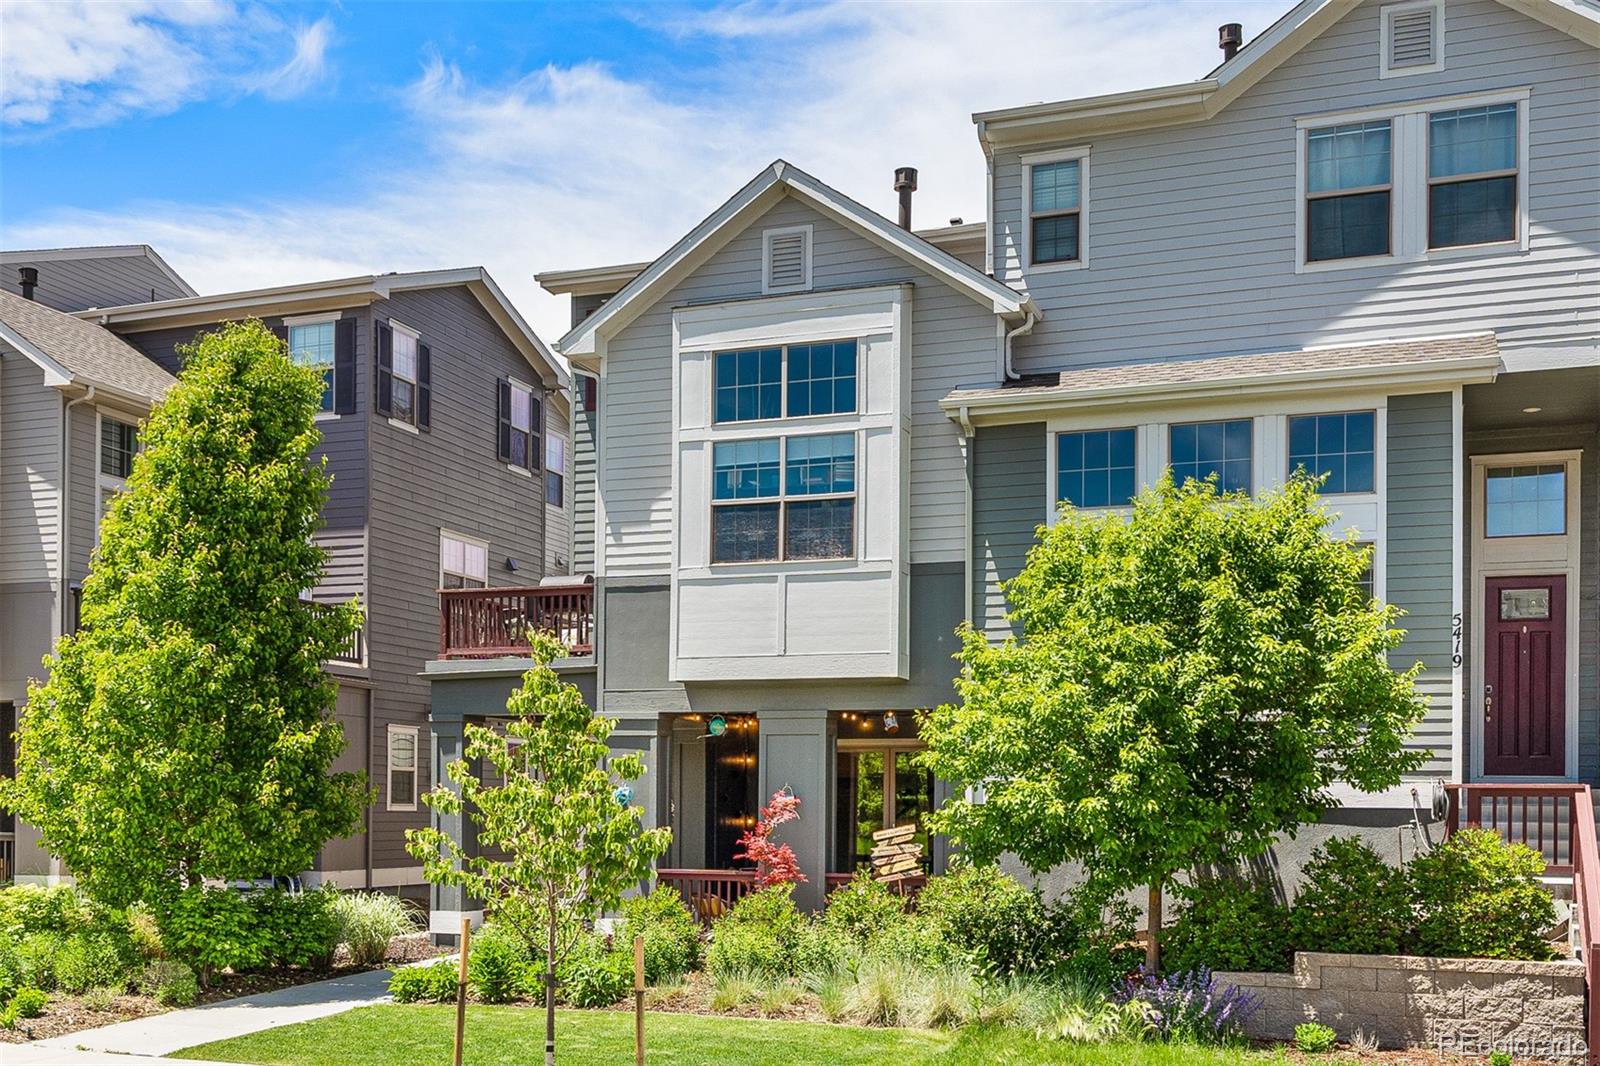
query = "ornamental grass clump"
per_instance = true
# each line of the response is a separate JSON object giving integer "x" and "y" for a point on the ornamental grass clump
{"x": 1189, "y": 1006}
{"x": 367, "y": 921}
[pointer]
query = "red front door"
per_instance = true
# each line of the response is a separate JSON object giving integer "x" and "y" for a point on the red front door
{"x": 1524, "y": 699}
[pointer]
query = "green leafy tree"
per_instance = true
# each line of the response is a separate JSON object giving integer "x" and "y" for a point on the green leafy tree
{"x": 185, "y": 732}
{"x": 558, "y": 844}
{"x": 1192, "y": 682}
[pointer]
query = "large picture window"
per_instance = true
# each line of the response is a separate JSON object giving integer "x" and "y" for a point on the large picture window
{"x": 783, "y": 498}
{"x": 1472, "y": 176}
{"x": 1348, "y": 190}
{"x": 1338, "y": 446}
{"x": 1199, "y": 450}
{"x": 793, "y": 381}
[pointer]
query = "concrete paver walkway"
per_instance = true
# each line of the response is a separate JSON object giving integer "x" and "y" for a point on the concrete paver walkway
{"x": 162, "y": 1034}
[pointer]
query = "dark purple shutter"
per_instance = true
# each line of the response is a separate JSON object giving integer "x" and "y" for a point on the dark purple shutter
{"x": 385, "y": 347}
{"x": 424, "y": 385}
{"x": 344, "y": 367}
{"x": 536, "y": 438}
{"x": 281, "y": 332}
{"x": 503, "y": 392}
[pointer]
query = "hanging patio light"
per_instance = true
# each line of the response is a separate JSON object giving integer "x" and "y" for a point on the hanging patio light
{"x": 891, "y": 723}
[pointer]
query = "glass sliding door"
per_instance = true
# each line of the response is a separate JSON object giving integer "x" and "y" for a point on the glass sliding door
{"x": 878, "y": 787}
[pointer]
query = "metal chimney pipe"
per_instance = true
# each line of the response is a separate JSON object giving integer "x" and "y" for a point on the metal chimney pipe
{"x": 905, "y": 183}
{"x": 1230, "y": 38}
{"x": 28, "y": 280}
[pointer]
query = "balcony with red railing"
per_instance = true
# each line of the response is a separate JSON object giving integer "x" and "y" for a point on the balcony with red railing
{"x": 491, "y": 623}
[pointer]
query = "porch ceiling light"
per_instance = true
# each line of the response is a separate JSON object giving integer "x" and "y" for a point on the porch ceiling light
{"x": 1532, "y": 410}
{"x": 891, "y": 723}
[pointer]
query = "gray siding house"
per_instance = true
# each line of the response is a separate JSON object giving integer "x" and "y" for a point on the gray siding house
{"x": 810, "y": 443}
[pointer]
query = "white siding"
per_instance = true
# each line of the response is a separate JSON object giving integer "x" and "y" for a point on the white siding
{"x": 30, "y": 441}
{"x": 1190, "y": 230}
{"x": 953, "y": 342}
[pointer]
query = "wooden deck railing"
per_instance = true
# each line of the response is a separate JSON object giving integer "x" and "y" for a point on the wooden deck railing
{"x": 709, "y": 893}
{"x": 1558, "y": 821}
{"x": 485, "y": 623}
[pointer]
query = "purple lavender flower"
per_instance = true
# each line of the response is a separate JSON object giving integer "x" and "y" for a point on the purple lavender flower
{"x": 1189, "y": 1005}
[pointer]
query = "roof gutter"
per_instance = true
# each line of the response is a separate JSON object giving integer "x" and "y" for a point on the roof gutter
{"x": 1029, "y": 321}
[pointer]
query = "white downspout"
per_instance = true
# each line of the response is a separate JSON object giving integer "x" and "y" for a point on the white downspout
{"x": 64, "y": 527}
{"x": 1021, "y": 331}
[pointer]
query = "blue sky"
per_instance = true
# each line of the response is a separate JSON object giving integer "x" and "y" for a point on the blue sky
{"x": 257, "y": 144}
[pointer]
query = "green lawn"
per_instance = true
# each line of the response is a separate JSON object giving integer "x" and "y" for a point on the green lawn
{"x": 503, "y": 1036}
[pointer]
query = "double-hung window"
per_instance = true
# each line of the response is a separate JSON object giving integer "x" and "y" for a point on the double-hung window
{"x": 522, "y": 432}
{"x": 463, "y": 562}
{"x": 1472, "y": 176}
{"x": 555, "y": 471}
{"x": 1055, "y": 211}
{"x": 1095, "y": 468}
{"x": 1349, "y": 175}
{"x": 312, "y": 344}
{"x": 402, "y": 766}
{"x": 403, "y": 400}
{"x": 119, "y": 442}
{"x": 783, "y": 498}
{"x": 1340, "y": 447}
{"x": 1199, "y": 450}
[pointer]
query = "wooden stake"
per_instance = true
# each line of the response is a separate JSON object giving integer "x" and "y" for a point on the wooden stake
{"x": 638, "y": 1001}
{"x": 461, "y": 989}
{"x": 1152, "y": 948}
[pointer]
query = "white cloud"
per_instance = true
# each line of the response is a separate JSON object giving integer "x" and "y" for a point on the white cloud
{"x": 87, "y": 63}
{"x": 578, "y": 166}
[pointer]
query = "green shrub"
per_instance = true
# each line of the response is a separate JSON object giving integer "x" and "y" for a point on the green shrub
{"x": 213, "y": 929}
{"x": 300, "y": 929}
{"x": 36, "y": 959}
{"x": 915, "y": 939}
{"x": 10, "y": 969}
{"x": 1314, "y": 1038}
{"x": 367, "y": 921}
{"x": 1351, "y": 901}
{"x": 1227, "y": 923}
{"x": 1478, "y": 897}
{"x": 497, "y": 965}
{"x": 29, "y": 1002}
{"x": 762, "y": 936}
{"x": 592, "y": 976}
{"x": 993, "y": 917}
{"x": 862, "y": 908}
{"x": 424, "y": 984}
{"x": 169, "y": 982}
{"x": 145, "y": 932}
{"x": 671, "y": 935}
{"x": 28, "y": 909}
{"x": 93, "y": 960}
{"x": 1499, "y": 1058}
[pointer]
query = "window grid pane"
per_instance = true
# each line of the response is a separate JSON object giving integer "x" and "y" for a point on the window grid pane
{"x": 744, "y": 533}
{"x": 1096, "y": 468}
{"x": 822, "y": 378}
{"x": 745, "y": 469}
{"x": 118, "y": 442}
{"x": 749, "y": 384}
{"x": 1342, "y": 227}
{"x": 1354, "y": 156}
{"x": 1055, "y": 239}
{"x": 1472, "y": 212}
{"x": 1525, "y": 501}
{"x": 820, "y": 529}
{"x": 1473, "y": 140}
{"x": 1339, "y": 445}
{"x": 1201, "y": 449}
{"x": 312, "y": 345}
{"x": 1056, "y": 186}
{"x": 404, "y": 350}
{"x": 819, "y": 465}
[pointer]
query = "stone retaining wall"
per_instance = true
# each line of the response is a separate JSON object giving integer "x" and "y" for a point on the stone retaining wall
{"x": 1470, "y": 1005}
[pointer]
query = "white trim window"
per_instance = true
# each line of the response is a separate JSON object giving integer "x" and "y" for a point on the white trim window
{"x": 313, "y": 342}
{"x": 524, "y": 432}
{"x": 555, "y": 471}
{"x": 1097, "y": 467}
{"x": 1472, "y": 176}
{"x": 463, "y": 561}
{"x": 1525, "y": 500}
{"x": 1348, "y": 190}
{"x": 118, "y": 444}
{"x": 1058, "y": 194}
{"x": 401, "y": 759}
{"x": 789, "y": 381}
{"x": 1412, "y": 39}
{"x": 1341, "y": 447}
{"x": 403, "y": 367}
{"x": 784, "y": 498}
{"x": 786, "y": 259}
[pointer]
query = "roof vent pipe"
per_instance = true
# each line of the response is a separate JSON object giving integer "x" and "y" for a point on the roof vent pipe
{"x": 905, "y": 183}
{"x": 1230, "y": 38}
{"x": 27, "y": 280}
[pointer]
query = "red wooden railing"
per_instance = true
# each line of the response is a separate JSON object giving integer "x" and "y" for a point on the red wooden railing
{"x": 1558, "y": 821}
{"x": 709, "y": 893}
{"x": 484, "y": 623}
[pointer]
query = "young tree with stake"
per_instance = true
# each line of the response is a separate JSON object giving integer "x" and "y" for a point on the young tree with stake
{"x": 1191, "y": 682}
{"x": 556, "y": 812}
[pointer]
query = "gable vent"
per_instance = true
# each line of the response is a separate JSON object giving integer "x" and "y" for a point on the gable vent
{"x": 1412, "y": 41}
{"x": 786, "y": 259}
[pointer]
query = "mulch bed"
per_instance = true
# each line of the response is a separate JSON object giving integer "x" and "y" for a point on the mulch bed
{"x": 70, "y": 1014}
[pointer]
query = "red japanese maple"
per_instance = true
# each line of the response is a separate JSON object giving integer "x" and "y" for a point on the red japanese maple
{"x": 775, "y": 863}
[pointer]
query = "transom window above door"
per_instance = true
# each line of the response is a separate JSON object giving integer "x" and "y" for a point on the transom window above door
{"x": 1198, "y": 450}
{"x": 1525, "y": 501}
{"x": 1340, "y": 447}
{"x": 793, "y": 381}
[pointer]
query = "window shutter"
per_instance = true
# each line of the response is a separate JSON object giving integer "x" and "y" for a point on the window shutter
{"x": 281, "y": 332}
{"x": 424, "y": 386}
{"x": 1412, "y": 38}
{"x": 385, "y": 346}
{"x": 786, "y": 266}
{"x": 503, "y": 392}
{"x": 344, "y": 367}
{"x": 535, "y": 456}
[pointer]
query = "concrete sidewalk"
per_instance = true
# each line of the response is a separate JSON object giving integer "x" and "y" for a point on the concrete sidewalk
{"x": 163, "y": 1034}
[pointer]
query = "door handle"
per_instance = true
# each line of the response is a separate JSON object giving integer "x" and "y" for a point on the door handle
{"x": 1488, "y": 701}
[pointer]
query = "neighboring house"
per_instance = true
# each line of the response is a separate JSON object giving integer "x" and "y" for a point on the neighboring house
{"x": 72, "y": 279}
{"x": 71, "y": 395}
{"x": 437, "y": 422}
{"x": 809, "y": 443}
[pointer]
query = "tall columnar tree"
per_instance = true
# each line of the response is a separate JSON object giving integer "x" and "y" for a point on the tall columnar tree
{"x": 185, "y": 731}
{"x": 1191, "y": 682}
{"x": 562, "y": 841}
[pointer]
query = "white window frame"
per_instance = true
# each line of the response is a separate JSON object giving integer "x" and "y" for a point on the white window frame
{"x": 104, "y": 482}
{"x": 317, "y": 320}
{"x": 416, "y": 766}
{"x": 462, "y": 538}
{"x": 399, "y": 329}
{"x": 783, "y": 415}
{"x": 767, "y": 237}
{"x": 1408, "y": 176}
{"x": 535, "y": 431}
{"x": 1386, "y": 16}
{"x": 557, "y": 469}
{"x": 1058, "y": 155}
{"x": 783, "y": 499}
{"x": 1376, "y": 447}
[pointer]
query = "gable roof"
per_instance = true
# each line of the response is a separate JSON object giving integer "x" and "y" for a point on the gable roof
{"x": 339, "y": 292}
{"x": 1196, "y": 101}
{"x": 71, "y": 279}
{"x": 774, "y": 182}
{"x": 74, "y": 352}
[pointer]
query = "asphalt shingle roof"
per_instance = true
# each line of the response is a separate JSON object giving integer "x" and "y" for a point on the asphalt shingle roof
{"x": 90, "y": 352}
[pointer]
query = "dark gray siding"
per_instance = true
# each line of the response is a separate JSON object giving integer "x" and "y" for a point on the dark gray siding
{"x": 1420, "y": 534}
{"x": 583, "y": 517}
{"x": 79, "y": 284}
{"x": 1008, "y": 501}
{"x": 451, "y": 478}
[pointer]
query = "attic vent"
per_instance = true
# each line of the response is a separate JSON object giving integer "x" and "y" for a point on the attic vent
{"x": 786, "y": 259}
{"x": 1411, "y": 39}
